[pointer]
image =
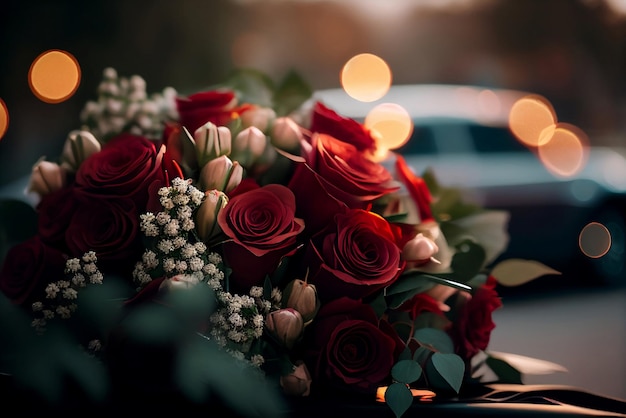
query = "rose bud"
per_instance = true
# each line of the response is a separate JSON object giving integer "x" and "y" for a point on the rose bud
{"x": 302, "y": 297}
{"x": 298, "y": 382}
{"x": 221, "y": 174}
{"x": 78, "y": 146}
{"x": 249, "y": 145}
{"x": 46, "y": 177}
{"x": 286, "y": 134}
{"x": 286, "y": 325}
{"x": 206, "y": 216}
{"x": 178, "y": 282}
{"x": 258, "y": 116}
{"x": 419, "y": 250}
{"x": 212, "y": 141}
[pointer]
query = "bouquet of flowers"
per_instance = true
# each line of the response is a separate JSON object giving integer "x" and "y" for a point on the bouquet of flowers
{"x": 243, "y": 238}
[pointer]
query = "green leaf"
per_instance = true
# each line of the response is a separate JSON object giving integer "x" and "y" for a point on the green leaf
{"x": 437, "y": 339}
{"x": 18, "y": 222}
{"x": 252, "y": 86}
{"x": 489, "y": 228}
{"x": 448, "y": 282}
{"x": 399, "y": 398}
{"x": 406, "y": 371}
{"x": 468, "y": 260}
{"x": 515, "y": 271}
{"x": 446, "y": 371}
{"x": 505, "y": 372}
{"x": 379, "y": 304}
{"x": 291, "y": 93}
{"x": 408, "y": 282}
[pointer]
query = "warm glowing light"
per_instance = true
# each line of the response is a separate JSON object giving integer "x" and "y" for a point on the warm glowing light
{"x": 391, "y": 125}
{"x": 532, "y": 119}
{"x": 565, "y": 152}
{"x": 366, "y": 77}
{"x": 421, "y": 394}
{"x": 4, "y": 118}
{"x": 594, "y": 240}
{"x": 54, "y": 76}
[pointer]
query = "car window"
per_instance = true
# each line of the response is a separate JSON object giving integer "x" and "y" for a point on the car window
{"x": 489, "y": 139}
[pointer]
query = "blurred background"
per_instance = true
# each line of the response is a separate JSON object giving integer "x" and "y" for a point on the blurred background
{"x": 573, "y": 52}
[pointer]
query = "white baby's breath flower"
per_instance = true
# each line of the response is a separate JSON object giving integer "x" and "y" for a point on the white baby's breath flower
{"x": 184, "y": 212}
{"x": 149, "y": 259}
{"x": 78, "y": 280}
{"x": 72, "y": 265}
{"x": 181, "y": 266}
{"x": 179, "y": 242}
{"x": 37, "y": 306}
{"x": 90, "y": 268}
{"x": 94, "y": 345}
{"x": 166, "y": 246}
{"x": 47, "y": 314}
{"x": 162, "y": 218}
{"x": 256, "y": 291}
{"x": 90, "y": 257}
{"x": 201, "y": 249}
{"x": 70, "y": 294}
{"x": 52, "y": 290}
{"x": 96, "y": 278}
{"x": 169, "y": 265}
{"x": 64, "y": 312}
{"x": 196, "y": 264}
{"x": 236, "y": 320}
{"x": 257, "y": 360}
{"x": 172, "y": 227}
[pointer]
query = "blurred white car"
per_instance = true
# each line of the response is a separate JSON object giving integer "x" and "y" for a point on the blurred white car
{"x": 462, "y": 133}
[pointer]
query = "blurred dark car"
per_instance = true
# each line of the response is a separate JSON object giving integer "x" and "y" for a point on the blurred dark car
{"x": 462, "y": 133}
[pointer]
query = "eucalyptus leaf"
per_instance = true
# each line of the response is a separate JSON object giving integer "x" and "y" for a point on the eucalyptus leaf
{"x": 406, "y": 371}
{"x": 409, "y": 281}
{"x": 446, "y": 371}
{"x": 252, "y": 86}
{"x": 489, "y": 228}
{"x": 468, "y": 260}
{"x": 505, "y": 372}
{"x": 438, "y": 339}
{"x": 399, "y": 398}
{"x": 291, "y": 93}
{"x": 515, "y": 271}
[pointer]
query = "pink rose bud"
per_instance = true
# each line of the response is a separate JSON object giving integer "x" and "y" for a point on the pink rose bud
{"x": 298, "y": 382}
{"x": 221, "y": 174}
{"x": 302, "y": 297}
{"x": 78, "y": 146}
{"x": 420, "y": 249}
{"x": 286, "y": 325}
{"x": 47, "y": 177}
{"x": 286, "y": 134}
{"x": 206, "y": 216}
{"x": 258, "y": 116}
{"x": 249, "y": 146}
{"x": 179, "y": 282}
{"x": 212, "y": 141}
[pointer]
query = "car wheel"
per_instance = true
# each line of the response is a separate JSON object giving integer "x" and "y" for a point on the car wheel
{"x": 610, "y": 269}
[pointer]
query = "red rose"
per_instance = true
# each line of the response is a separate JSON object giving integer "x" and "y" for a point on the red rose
{"x": 110, "y": 228}
{"x": 471, "y": 331}
{"x": 419, "y": 304}
{"x": 355, "y": 256}
{"x": 417, "y": 188}
{"x": 217, "y": 106}
{"x": 28, "y": 268}
{"x": 124, "y": 168}
{"x": 333, "y": 174}
{"x": 55, "y": 212}
{"x": 262, "y": 228}
{"x": 346, "y": 348}
{"x": 326, "y": 121}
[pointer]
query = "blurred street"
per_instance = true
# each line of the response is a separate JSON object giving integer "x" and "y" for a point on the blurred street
{"x": 582, "y": 330}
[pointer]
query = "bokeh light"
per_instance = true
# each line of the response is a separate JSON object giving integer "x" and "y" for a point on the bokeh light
{"x": 391, "y": 126}
{"x": 565, "y": 152}
{"x": 366, "y": 77}
{"x": 532, "y": 119}
{"x": 594, "y": 240}
{"x": 4, "y": 118}
{"x": 54, "y": 76}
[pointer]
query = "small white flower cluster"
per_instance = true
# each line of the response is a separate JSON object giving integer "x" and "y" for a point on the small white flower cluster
{"x": 61, "y": 295}
{"x": 240, "y": 319}
{"x": 124, "y": 106}
{"x": 172, "y": 251}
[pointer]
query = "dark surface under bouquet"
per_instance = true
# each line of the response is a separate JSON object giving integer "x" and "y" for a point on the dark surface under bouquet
{"x": 242, "y": 251}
